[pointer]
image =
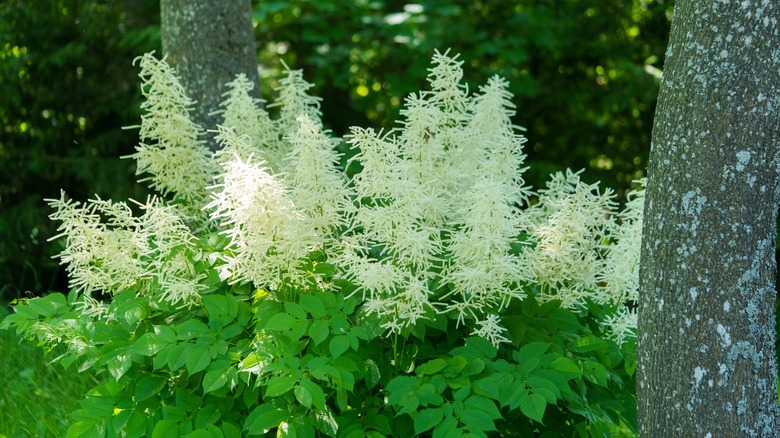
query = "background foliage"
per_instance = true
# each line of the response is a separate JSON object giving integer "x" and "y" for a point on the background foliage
{"x": 583, "y": 73}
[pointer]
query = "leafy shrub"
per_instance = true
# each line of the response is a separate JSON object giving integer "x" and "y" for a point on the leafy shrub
{"x": 273, "y": 293}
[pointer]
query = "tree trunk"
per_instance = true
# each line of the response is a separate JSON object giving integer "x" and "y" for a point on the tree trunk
{"x": 706, "y": 339}
{"x": 208, "y": 42}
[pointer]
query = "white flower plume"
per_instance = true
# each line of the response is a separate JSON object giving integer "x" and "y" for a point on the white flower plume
{"x": 171, "y": 150}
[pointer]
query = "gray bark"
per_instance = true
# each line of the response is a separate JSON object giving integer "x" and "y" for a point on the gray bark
{"x": 209, "y": 42}
{"x": 706, "y": 338}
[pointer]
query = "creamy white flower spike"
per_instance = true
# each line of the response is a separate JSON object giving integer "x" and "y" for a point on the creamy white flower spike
{"x": 171, "y": 149}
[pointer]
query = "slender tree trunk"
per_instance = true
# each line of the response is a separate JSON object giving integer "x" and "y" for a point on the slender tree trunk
{"x": 209, "y": 42}
{"x": 706, "y": 344}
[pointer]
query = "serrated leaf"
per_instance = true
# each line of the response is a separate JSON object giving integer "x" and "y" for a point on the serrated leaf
{"x": 118, "y": 365}
{"x": 595, "y": 372}
{"x": 483, "y": 404}
{"x": 302, "y": 395}
{"x": 251, "y": 361}
{"x": 148, "y": 345}
{"x": 477, "y": 420}
{"x": 295, "y": 310}
{"x": 200, "y": 433}
{"x": 192, "y": 328}
{"x": 318, "y": 331}
{"x": 135, "y": 426}
{"x": 264, "y": 417}
{"x": 372, "y": 373}
{"x": 317, "y": 394}
{"x": 187, "y": 401}
{"x": 83, "y": 429}
{"x": 166, "y": 429}
{"x": 586, "y": 344}
{"x": 280, "y": 322}
{"x": 533, "y": 406}
{"x": 299, "y": 329}
{"x": 148, "y": 386}
{"x": 531, "y": 350}
{"x": 566, "y": 366}
{"x": 313, "y": 305}
{"x": 431, "y": 367}
{"x": 230, "y": 430}
{"x": 214, "y": 380}
{"x": 325, "y": 422}
{"x": 198, "y": 358}
{"x": 427, "y": 419}
{"x": 279, "y": 385}
{"x": 338, "y": 345}
{"x": 448, "y": 428}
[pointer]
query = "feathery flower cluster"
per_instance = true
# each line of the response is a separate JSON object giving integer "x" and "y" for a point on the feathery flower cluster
{"x": 176, "y": 158}
{"x": 437, "y": 209}
{"x": 570, "y": 225}
{"x": 264, "y": 226}
{"x": 125, "y": 252}
{"x": 245, "y": 116}
{"x": 620, "y": 275}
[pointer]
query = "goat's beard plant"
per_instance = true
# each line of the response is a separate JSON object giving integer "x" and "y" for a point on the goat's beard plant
{"x": 270, "y": 293}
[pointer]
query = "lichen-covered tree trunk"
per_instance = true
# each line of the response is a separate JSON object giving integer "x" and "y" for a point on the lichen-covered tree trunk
{"x": 706, "y": 339}
{"x": 208, "y": 42}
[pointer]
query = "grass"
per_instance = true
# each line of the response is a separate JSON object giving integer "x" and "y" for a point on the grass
{"x": 37, "y": 397}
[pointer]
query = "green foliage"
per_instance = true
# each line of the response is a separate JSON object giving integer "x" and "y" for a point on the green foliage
{"x": 318, "y": 366}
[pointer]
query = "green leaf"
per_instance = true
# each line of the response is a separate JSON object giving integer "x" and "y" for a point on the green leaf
{"x": 295, "y": 310}
{"x": 595, "y": 372}
{"x": 299, "y": 329}
{"x": 476, "y": 347}
{"x": 372, "y": 374}
{"x": 136, "y": 425}
{"x": 477, "y": 420}
{"x": 431, "y": 367}
{"x": 325, "y": 422}
{"x": 338, "y": 345}
{"x": 318, "y": 331}
{"x": 303, "y": 395}
{"x": 148, "y": 386}
{"x": 198, "y": 358}
{"x": 167, "y": 334}
{"x": 263, "y": 417}
{"x": 427, "y": 419}
{"x": 313, "y": 305}
{"x": 279, "y": 385}
{"x": 85, "y": 429}
{"x": 192, "y": 328}
{"x": 214, "y": 380}
{"x": 316, "y": 393}
{"x": 148, "y": 344}
{"x": 533, "y": 406}
{"x": 250, "y": 361}
{"x": 532, "y": 350}
{"x": 280, "y": 322}
{"x": 478, "y": 402}
{"x": 586, "y": 344}
{"x": 166, "y": 429}
{"x": 566, "y": 366}
{"x": 187, "y": 401}
{"x": 448, "y": 428}
{"x": 200, "y": 433}
{"x": 118, "y": 365}
{"x": 230, "y": 430}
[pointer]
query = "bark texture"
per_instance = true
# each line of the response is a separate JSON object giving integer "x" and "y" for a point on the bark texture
{"x": 706, "y": 339}
{"x": 209, "y": 42}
